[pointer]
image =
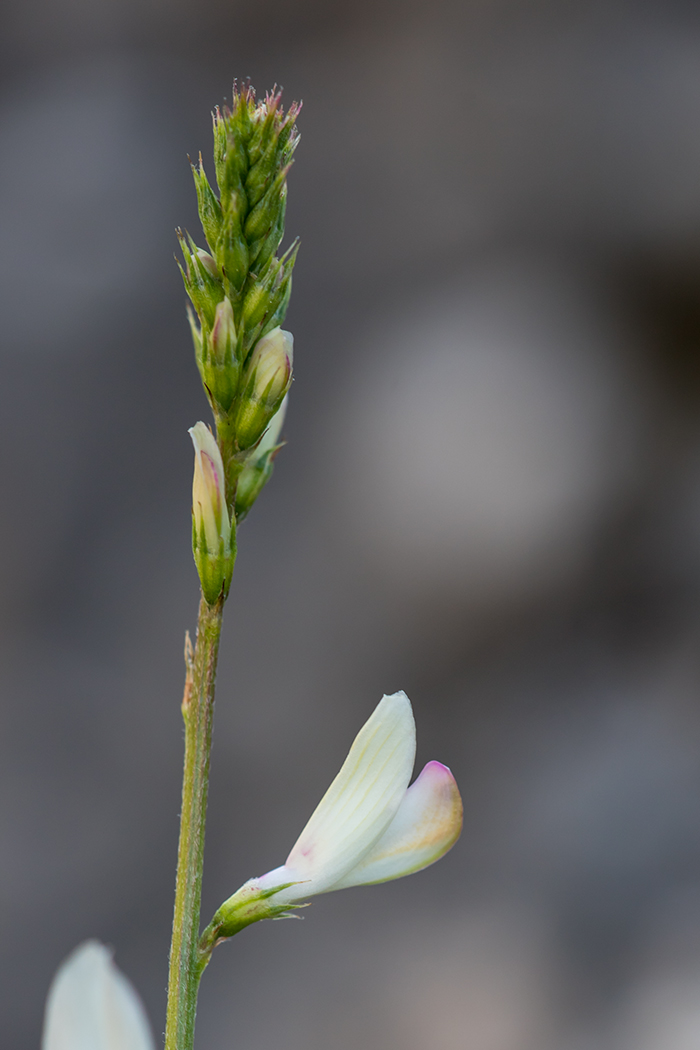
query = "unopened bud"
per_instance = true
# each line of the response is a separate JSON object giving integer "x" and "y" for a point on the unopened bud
{"x": 223, "y": 334}
{"x": 203, "y": 285}
{"x": 258, "y": 468}
{"x": 267, "y": 379}
{"x": 208, "y": 263}
{"x": 232, "y": 251}
{"x": 219, "y": 365}
{"x": 211, "y": 527}
{"x": 216, "y": 356}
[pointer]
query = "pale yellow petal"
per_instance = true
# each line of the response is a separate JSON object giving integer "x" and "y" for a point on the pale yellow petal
{"x": 426, "y": 826}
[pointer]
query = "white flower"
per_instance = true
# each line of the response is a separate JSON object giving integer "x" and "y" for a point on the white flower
{"x": 92, "y": 1006}
{"x": 369, "y": 826}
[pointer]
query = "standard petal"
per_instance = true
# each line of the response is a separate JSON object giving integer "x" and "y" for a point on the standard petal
{"x": 360, "y": 803}
{"x": 92, "y": 1006}
{"x": 426, "y": 826}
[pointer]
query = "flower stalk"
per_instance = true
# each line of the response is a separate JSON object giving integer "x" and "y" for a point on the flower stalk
{"x": 198, "y": 714}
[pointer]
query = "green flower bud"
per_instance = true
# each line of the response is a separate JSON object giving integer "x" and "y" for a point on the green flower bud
{"x": 266, "y": 213}
{"x": 265, "y": 302}
{"x": 220, "y": 368}
{"x": 211, "y": 527}
{"x": 262, "y": 251}
{"x": 265, "y": 383}
{"x": 258, "y": 469}
{"x": 216, "y": 355}
{"x": 202, "y": 283}
{"x": 232, "y": 251}
{"x": 232, "y": 130}
{"x": 210, "y": 214}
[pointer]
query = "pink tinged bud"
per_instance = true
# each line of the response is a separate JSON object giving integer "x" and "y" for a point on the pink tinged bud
{"x": 223, "y": 334}
{"x": 216, "y": 356}
{"x": 208, "y": 262}
{"x": 270, "y": 366}
{"x": 92, "y": 1005}
{"x": 208, "y": 491}
{"x": 211, "y": 525}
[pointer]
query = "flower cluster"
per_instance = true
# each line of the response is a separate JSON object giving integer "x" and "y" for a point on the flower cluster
{"x": 239, "y": 290}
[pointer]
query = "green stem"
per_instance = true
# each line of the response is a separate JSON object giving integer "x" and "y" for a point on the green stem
{"x": 198, "y": 713}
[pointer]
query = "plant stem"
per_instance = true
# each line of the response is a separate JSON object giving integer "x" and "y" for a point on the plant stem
{"x": 198, "y": 713}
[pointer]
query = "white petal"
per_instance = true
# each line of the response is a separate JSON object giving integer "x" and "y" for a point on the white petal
{"x": 426, "y": 826}
{"x": 92, "y": 1006}
{"x": 359, "y": 805}
{"x": 204, "y": 441}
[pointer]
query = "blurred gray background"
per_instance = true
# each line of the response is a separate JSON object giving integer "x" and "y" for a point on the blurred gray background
{"x": 490, "y": 498}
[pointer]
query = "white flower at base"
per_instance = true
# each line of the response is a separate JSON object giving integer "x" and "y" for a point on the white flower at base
{"x": 369, "y": 826}
{"x": 92, "y": 1006}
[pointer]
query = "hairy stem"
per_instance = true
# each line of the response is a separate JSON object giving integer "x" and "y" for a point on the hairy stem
{"x": 198, "y": 713}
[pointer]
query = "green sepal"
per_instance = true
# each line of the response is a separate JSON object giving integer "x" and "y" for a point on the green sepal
{"x": 269, "y": 299}
{"x": 220, "y": 143}
{"x": 263, "y": 251}
{"x": 254, "y": 477}
{"x": 266, "y": 212}
{"x": 215, "y": 569}
{"x": 264, "y": 127}
{"x": 210, "y": 213}
{"x": 255, "y": 413}
{"x": 197, "y": 336}
{"x": 248, "y": 905}
{"x": 232, "y": 251}
{"x": 261, "y": 173}
{"x": 258, "y": 296}
{"x": 280, "y": 312}
{"x": 231, "y": 163}
{"x": 220, "y": 363}
{"x": 204, "y": 290}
